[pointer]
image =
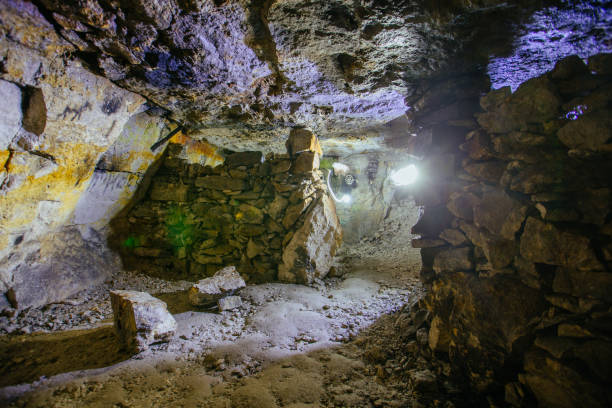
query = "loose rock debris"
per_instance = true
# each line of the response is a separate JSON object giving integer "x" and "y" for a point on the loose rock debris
{"x": 330, "y": 344}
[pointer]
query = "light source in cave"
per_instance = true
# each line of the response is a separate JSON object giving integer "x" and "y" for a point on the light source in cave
{"x": 345, "y": 198}
{"x": 576, "y": 112}
{"x": 405, "y": 175}
{"x": 340, "y": 168}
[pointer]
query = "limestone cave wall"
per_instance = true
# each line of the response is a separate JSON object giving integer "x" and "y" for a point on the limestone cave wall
{"x": 270, "y": 217}
{"x": 57, "y": 120}
{"x": 516, "y": 237}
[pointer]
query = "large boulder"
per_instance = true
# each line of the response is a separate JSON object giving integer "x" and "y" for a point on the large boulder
{"x": 208, "y": 291}
{"x": 141, "y": 320}
{"x": 310, "y": 252}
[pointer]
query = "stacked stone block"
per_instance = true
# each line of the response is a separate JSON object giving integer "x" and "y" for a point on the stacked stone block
{"x": 517, "y": 240}
{"x": 195, "y": 219}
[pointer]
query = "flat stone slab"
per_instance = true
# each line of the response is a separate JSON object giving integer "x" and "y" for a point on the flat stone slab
{"x": 208, "y": 291}
{"x": 141, "y": 319}
{"x": 229, "y": 303}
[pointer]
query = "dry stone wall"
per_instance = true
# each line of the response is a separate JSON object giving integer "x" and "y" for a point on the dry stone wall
{"x": 271, "y": 218}
{"x": 517, "y": 240}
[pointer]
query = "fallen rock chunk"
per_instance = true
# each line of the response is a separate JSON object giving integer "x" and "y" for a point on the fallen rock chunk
{"x": 309, "y": 253}
{"x": 141, "y": 320}
{"x": 208, "y": 291}
{"x": 229, "y": 303}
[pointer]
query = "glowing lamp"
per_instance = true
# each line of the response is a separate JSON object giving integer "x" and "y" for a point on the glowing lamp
{"x": 404, "y": 176}
{"x": 345, "y": 198}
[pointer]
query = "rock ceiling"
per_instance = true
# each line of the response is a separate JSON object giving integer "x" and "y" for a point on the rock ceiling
{"x": 239, "y": 72}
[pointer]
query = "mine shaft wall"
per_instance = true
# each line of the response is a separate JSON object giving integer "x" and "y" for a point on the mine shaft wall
{"x": 270, "y": 217}
{"x": 517, "y": 235}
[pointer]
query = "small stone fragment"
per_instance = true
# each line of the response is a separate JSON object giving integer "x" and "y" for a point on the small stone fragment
{"x": 141, "y": 319}
{"x": 229, "y": 303}
{"x": 208, "y": 291}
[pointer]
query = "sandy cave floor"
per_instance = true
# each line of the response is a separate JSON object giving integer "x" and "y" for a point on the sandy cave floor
{"x": 333, "y": 344}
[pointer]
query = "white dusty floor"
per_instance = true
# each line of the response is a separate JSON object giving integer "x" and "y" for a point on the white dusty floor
{"x": 288, "y": 345}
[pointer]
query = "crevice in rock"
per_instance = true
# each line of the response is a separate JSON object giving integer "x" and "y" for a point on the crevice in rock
{"x": 262, "y": 43}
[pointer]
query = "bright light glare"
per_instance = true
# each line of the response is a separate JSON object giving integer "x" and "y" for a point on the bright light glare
{"x": 340, "y": 168}
{"x": 345, "y": 198}
{"x": 404, "y": 176}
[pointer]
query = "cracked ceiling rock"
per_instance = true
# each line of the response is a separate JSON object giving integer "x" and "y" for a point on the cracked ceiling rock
{"x": 334, "y": 66}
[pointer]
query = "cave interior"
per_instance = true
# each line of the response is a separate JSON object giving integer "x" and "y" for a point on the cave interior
{"x": 281, "y": 203}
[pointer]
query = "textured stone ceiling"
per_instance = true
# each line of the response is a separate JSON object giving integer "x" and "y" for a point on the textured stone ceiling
{"x": 239, "y": 72}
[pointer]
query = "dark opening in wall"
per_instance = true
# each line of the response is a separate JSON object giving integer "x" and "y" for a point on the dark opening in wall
{"x": 34, "y": 110}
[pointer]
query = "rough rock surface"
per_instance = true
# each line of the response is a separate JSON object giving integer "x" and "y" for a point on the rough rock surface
{"x": 283, "y": 341}
{"x": 194, "y": 218}
{"x": 229, "y": 303}
{"x": 141, "y": 320}
{"x": 247, "y": 69}
{"x": 61, "y": 118}
{"x": 310, "y": 253}
{"x": 521, "y": 301}
{"x": 210, "y": 290}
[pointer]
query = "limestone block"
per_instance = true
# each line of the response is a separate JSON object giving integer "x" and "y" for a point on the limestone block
{"x": 453, "y": 236}
{"x": 141, "y": 320}
{"x": 553, "y": 383}
{"x": 277, "y": 206}
{"x": 281, "y": 166}
{"x": 249, "y": 158}
{"x": 427, "y": 243}
{"x": 478, "y": 145}
{"x": 220, "y": 183}
{"x": 210, "y": 290}
{"x": 588, "y": 132}
{"x": 229, "y": 303}
{"x": 294, "y": 211}
{"x": 457, "y": 259}
{"x": 249, "y": 214}
{"x": 583, "y": 283}
{"x": 500, "y": 214}
{"x": 310, "y": 251}
{"x": 83, "y": 261}
{"x": 302, "y": 140}
{"x": 545, "y": 243}
{"x": 495, "y": 98}
{"x": 439, "y": 335}
{"x": 536, "y": 100}
{"x": 254, "y": 249}
{"x": 250, "y": 230}
{"x": 488, "y": 171}
{"x": 556, "y": 346}
{"x": 306, "y": 162}
{"x": 305, "y": 190}
{"x": 169, "y": 192}
{"x": 462, "y": 205}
